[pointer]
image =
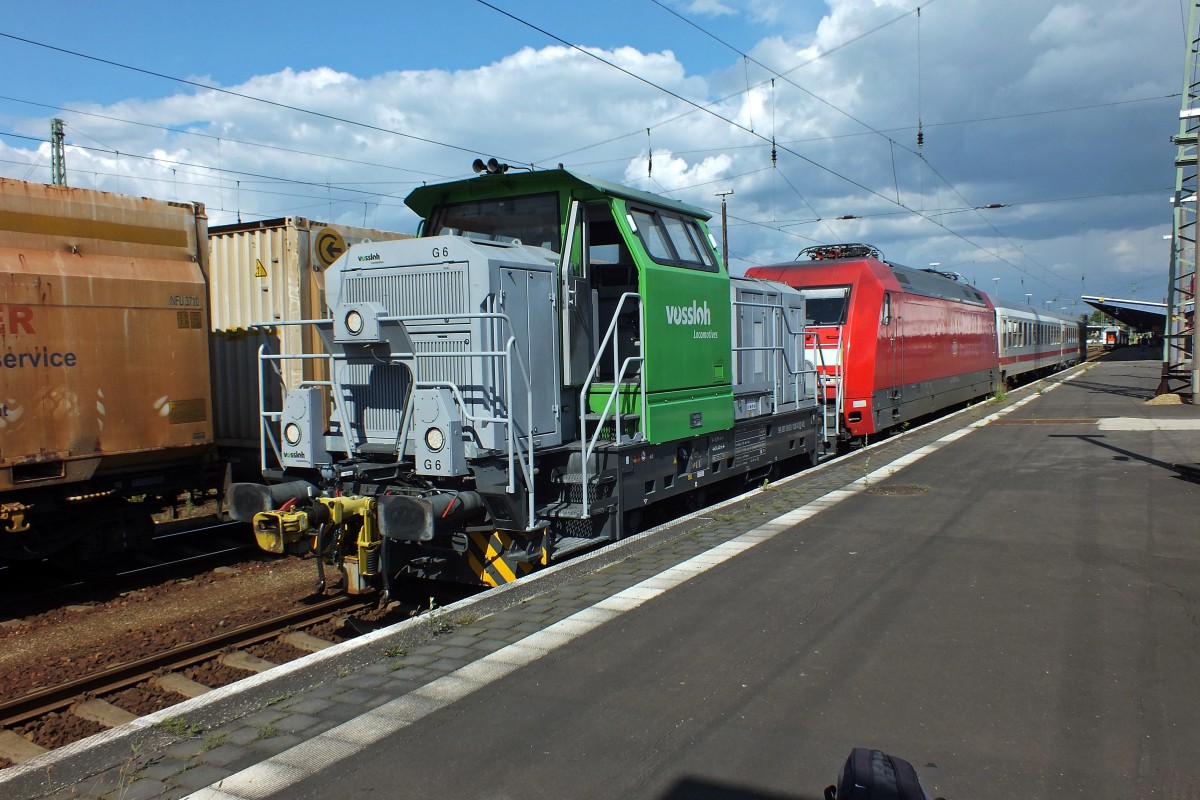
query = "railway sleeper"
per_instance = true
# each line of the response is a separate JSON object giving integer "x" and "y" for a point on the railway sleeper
{"x": 16, "y": 748}
{"x": 180, "y": 684}
{"x": 240, "y": 659}
{"x": 102, "y": 712}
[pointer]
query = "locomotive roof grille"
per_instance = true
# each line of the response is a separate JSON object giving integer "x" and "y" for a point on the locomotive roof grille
{"x": 935, "y": 284}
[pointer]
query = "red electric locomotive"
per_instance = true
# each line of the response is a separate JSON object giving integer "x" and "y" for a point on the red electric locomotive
{"x": 900, "y": 343}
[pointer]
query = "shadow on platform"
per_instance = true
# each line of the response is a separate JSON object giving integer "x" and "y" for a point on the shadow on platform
{"x": 704, "y": 789}
{"x": 1137, "y": 392}
{"x": 1122, "y": 453}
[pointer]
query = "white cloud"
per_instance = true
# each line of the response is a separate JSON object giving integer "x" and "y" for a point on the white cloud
{"x": 977, "y": 60}
{"x": 709, "y": 8}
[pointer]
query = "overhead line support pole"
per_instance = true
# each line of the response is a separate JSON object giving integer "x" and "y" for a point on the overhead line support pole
{"x": 1181, "y": 337}
{"x": 58, "y": 156}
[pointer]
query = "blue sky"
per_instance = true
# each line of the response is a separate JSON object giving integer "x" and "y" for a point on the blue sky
{"x": 230, "y": 42}
{"x": 1061, "y": 113}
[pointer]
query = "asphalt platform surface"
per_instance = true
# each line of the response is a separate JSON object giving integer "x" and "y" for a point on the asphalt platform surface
{"x": 1008, "y": 598}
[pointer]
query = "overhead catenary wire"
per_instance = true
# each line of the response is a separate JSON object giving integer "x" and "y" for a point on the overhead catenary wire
{"x": 892, "y": 144}
{"x": 661, "y": 143}
{"x": 202, "y": 135}
{"x": 676, "y": 117}
{"x": 244, "y": 96}
{"x": 919, "y": 126}
{"x": 739, "y": 126}
{"x": 920, "y": 120}
{"x": 291, "y": 209}
{"x": 222, "y": 170}
{"x": 853, "y": 134}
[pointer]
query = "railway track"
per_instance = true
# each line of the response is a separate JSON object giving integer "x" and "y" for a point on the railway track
{"x": 114, "y": 681}
{"x": 28, "y": 722}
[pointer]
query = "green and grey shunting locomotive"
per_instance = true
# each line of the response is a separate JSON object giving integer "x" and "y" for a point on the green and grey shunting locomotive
{"x": 551, "y": 356}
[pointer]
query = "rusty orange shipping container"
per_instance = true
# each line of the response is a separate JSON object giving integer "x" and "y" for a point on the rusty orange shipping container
{"x": 104, "y": 370}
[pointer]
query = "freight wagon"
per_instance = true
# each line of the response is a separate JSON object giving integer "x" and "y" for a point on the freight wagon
{"x": 105, "y": 408}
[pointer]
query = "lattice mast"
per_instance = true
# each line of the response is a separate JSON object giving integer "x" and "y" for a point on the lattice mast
{"x": 1181, "y": 341}
{"x": 58, "y": 156}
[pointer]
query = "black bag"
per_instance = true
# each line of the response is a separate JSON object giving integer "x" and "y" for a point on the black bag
{"x": 874, "y": 775}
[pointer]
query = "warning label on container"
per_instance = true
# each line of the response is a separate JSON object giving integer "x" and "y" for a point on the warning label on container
{"x": 189, "y": 319}
{"x": 186, "y": 411}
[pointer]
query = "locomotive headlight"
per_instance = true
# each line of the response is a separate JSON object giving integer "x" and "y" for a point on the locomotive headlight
{"x": 435, "y": 439}
{"x": 291, "y": 432}
{"x": 354, "y": 322}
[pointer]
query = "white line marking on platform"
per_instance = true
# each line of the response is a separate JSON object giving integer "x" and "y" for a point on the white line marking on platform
{"x": 1137, "y": 424}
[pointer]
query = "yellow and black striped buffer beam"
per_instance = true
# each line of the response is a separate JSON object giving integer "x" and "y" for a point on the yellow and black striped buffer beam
{"x": 486, "y": 555}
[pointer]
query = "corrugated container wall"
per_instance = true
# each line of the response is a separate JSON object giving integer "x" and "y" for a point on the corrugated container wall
{"x": 271, "y": 271}
{"x": 103, "y": 359}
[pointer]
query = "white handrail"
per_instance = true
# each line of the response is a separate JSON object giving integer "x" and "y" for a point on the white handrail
{"x": 520, "y": 453}
{"x": 588, "y": 446}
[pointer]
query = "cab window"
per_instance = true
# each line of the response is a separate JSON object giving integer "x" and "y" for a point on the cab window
{"x": 530, "y": 219}
{"x": 673, "y": 239}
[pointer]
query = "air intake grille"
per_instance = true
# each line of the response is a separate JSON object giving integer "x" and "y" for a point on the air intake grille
{"x": 451, "y": 369}
{"x": 375, "y": 395}
{"x": 411, "y": 292}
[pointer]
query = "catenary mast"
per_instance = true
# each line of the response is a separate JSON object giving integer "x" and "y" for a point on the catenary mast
{"x": 1181, "y": 342}
{"x": 58, "y": 156}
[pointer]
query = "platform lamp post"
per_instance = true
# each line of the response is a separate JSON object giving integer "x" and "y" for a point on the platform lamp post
{"x": 1029, "y": 298}
{"x": 724, "y": 229}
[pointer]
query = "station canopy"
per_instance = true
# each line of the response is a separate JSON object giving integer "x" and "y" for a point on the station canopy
{"x": 1141, "y": 315}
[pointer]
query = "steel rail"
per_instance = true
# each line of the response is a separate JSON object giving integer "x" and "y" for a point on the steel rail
{"x": 37, "y": 704}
